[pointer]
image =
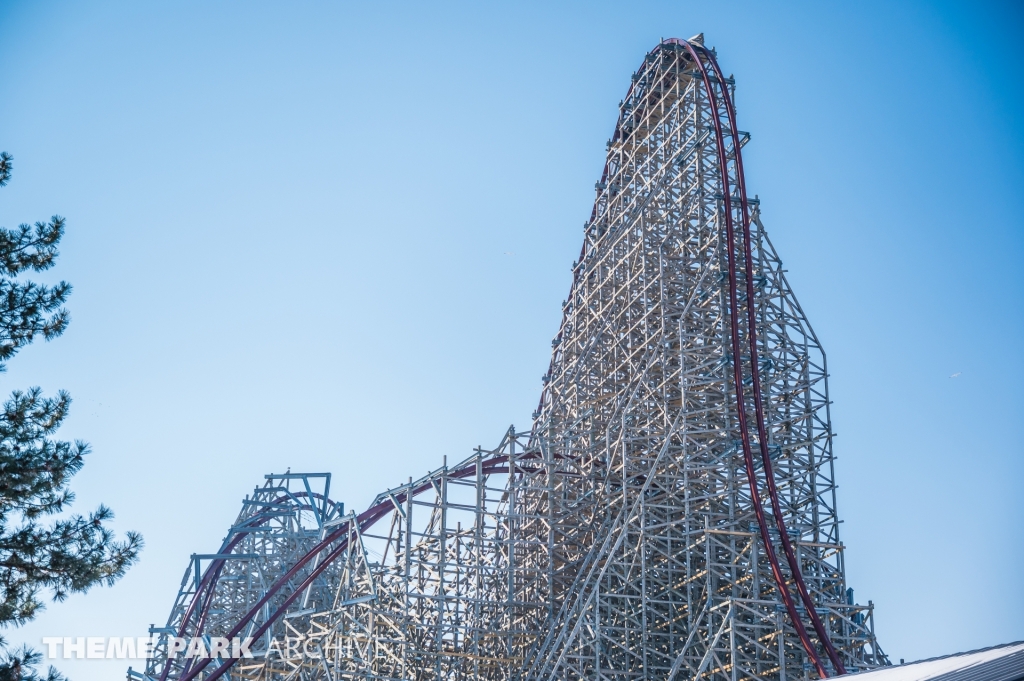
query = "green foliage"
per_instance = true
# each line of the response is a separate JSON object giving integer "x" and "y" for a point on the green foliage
{"x": 5, "y": 168}
{"x": 19, "y": 665}
{"x": 28, "y": 309}
{"x": 39, "y": 554}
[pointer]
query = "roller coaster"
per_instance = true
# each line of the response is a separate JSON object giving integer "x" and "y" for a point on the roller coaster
{"x": 669, "y": 514}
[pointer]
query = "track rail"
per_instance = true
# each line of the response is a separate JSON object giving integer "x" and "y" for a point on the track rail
{"x": 696, "y": 50}
{"x": 339, "y": 539}
{"x": 734, "y": 322}
{"x": 205, "y": 591}
{"x": 755, "y": 371}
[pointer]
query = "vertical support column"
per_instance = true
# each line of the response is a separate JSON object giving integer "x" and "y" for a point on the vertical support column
{"x": 442, "y": 562}
{"x": 781, "y": 627}
{"x": 407, "y": 623}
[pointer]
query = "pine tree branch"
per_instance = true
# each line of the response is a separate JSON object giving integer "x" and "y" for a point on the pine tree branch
{"x": 69, "y": 554}
{"x": 5, "y": 167}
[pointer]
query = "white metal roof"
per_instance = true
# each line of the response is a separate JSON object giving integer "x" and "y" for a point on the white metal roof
{"x": 999, "y": 663}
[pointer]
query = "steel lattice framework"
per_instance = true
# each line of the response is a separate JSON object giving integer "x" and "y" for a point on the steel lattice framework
{"x": 670, "y": 514}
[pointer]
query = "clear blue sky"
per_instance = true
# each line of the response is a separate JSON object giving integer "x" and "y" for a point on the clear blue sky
{"x": 288, "y": 227}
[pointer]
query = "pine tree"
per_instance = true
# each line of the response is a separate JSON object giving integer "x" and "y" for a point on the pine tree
{"x": 41, "y": 555}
